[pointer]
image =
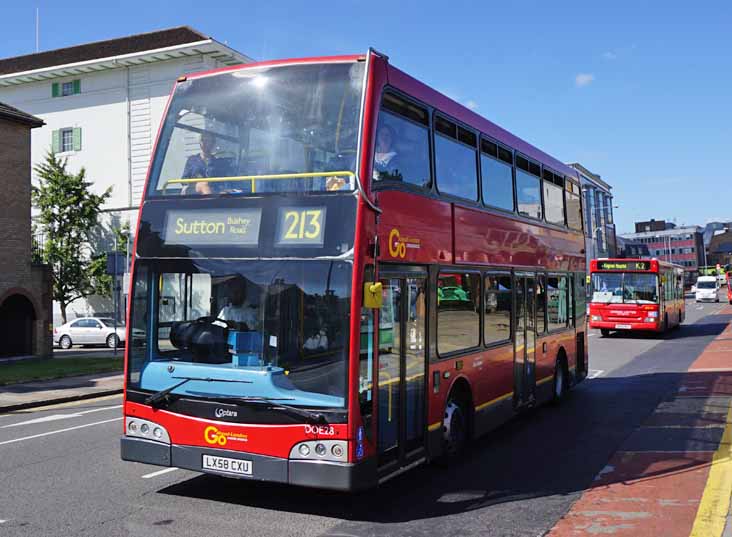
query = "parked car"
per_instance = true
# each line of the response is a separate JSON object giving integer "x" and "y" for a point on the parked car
{"x": 89, "y": 331}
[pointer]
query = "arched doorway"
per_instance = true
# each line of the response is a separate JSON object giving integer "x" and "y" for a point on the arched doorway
{"x": 17, "y": 317}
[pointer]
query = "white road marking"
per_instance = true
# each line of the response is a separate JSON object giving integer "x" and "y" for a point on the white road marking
{"x": 594, "y": 373}
{"x": 99, "y": 409}
{"x": 3, "y": 521}
{"x": 591, "y": 335}
{"x": 58, "y": 431}
{"x": 55, "y": 417}
{"x": 42, "y": 419}
{"x": 159, "y": 472}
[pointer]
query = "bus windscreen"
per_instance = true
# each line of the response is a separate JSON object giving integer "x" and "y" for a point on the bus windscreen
{"x": 257, "y": 329}
{"x": 290, "y": 128}
{"x": 624, "y": 287}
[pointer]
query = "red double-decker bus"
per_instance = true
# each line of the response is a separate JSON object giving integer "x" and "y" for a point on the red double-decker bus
{"x": 636, "y": 294}
{"x": 728, "y": 277}
{"x": 340, "y": 274}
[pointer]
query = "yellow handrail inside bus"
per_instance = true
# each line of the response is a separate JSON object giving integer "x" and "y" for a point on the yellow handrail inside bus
{"x": 252, "y": 178}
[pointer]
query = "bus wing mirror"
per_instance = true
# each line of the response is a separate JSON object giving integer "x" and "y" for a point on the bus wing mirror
{"x": 372, "y": 295}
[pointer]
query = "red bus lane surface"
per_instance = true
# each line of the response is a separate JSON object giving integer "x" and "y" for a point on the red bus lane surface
{"x": 673, "y": 475}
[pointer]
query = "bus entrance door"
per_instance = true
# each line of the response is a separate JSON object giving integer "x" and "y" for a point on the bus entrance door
{"x": 401, "y": 367}
{"x": 524, "y": 364}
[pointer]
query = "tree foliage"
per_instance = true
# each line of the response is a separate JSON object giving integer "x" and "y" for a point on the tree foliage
{"x": 68, "y": 212}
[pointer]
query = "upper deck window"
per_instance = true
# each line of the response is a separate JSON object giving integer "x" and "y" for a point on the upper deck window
{"x": 528, "y": 188}
{"x": 402, "y": 148}
{"x": 553, "y": 197}
{"x": 288, "y": 128}
{"x": 455, "y": 160}
{"x": 574, "y": 205}
{"x": 497, "y": 175}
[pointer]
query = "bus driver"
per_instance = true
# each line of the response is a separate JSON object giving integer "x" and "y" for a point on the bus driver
{"x": 238, "y": 310}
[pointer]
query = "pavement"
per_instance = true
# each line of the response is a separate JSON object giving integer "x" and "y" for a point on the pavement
{"x": 42, "y": 393}
{"x": 671, "y": 476}
{"x": 641, "y": 443}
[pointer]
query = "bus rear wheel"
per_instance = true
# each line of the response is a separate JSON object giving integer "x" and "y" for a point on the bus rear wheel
{"x": 455, "y": 427}
{"x": 561, "y": 385}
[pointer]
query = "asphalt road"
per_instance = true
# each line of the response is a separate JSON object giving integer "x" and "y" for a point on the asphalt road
{"x": 60, "y": 472}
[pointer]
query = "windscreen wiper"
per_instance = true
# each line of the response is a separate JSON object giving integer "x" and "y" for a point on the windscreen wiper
{"x": 162, "y": 396}
{"x": 313, "y": 418}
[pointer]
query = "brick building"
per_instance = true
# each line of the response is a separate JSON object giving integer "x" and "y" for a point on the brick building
{"x": 25, "y": 287}
{"x": 719, "y": 251}
{"x": 681, "y": 245}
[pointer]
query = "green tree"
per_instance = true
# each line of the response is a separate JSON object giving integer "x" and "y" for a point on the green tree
{"x": 69, "y": 212}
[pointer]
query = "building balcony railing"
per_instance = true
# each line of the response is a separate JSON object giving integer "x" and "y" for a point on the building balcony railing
{"x": 38, "y": 243}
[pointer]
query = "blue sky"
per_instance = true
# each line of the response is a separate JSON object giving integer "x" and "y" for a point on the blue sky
{"x": 638, "y": 92}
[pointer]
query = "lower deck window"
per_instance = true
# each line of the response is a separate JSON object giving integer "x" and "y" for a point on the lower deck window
{"x": 458, "y": 312}
{"x": 498, "y": 307}
{"x": 557, "y": 302}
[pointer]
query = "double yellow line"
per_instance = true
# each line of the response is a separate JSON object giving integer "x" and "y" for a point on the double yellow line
{"x": 711, "y": 516}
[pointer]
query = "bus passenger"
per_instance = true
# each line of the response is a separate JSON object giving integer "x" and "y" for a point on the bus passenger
{"x": 206, "y": 164}
{"x": 385, "y": 155}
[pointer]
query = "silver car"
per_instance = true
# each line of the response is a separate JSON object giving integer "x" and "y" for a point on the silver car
{"x": 89, "y": 331}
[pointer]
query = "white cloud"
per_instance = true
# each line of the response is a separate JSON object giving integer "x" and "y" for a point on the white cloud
{"x": 609, "y": 55}
{"x": 584, "y": 79}
{"x": 471, "y": 104}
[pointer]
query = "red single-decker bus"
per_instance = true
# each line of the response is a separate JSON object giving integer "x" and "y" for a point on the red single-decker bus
{"x": 636, "y": 294}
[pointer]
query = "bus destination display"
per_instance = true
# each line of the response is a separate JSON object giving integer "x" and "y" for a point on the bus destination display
{"x": 215, "y": 227}
{"x": 623, "y": 265}
{"x": 300, "y": 226}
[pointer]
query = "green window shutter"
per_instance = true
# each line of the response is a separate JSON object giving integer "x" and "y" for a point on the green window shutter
{"x": 77, "y": 86}
{"x": 56, "y": 141}
{"x": 55, "y": 90}
{"x": 77, "y": 139}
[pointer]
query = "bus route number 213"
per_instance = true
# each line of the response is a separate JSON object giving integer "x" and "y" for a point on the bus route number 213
{"x": 301, "y": 225}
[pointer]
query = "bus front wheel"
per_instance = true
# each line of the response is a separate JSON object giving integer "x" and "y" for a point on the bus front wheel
{"x": 455, "y": 426}
{"x": 605, "y": 332}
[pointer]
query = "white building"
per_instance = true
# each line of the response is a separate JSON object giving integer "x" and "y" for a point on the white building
{"x": 102, "y": 104}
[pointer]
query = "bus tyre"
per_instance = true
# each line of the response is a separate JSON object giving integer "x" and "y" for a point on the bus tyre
{"x": 605, "y": 332}
{"x": 455, "y": 429}
{"x": 65, "y": 342}
{"x": 561, "y": 384}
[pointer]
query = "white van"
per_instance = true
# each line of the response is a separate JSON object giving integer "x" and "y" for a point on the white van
{"x": 706, "y": 289}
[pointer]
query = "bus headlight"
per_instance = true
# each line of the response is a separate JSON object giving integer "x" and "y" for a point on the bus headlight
{"x": 650, "y": 320}
{"x": 146, "y": 429}
{"x": 321, "y": 450}
{"x": 597, "y": 317}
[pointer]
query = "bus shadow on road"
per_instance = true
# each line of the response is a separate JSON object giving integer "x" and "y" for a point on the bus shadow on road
{"x": 535, "y": 465}
{"x": 683, "y": 331}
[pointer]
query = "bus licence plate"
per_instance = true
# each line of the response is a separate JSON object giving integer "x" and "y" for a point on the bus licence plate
{"x": 622, "y": 327}
{"x": 224, "y": 464}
